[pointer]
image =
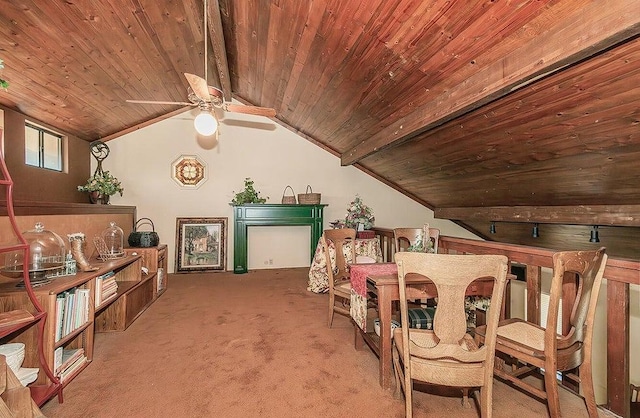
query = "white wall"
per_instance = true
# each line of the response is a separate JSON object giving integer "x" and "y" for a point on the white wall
{"x": 274, "y": 158}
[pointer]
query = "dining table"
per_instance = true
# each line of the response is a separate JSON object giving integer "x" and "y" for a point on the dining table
{"x": 366, "y": 250}
{"x": 381, "y": 279}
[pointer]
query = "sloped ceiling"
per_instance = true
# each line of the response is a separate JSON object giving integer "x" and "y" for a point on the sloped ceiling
{"x": 507, "y": 111}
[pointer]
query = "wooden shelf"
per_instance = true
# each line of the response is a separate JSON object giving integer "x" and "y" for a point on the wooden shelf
{"x": 17, "y": 319}
{"x": 155, "y": 260}
{"x": 132, "y": 299}
{"x": 71, "y": 335}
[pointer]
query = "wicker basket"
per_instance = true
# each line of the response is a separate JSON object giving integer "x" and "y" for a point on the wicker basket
{"x": 309, "y": 198}
{"x": 288, "y": 200}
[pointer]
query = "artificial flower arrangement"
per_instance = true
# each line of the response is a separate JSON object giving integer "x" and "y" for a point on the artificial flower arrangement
{"x": 359, "y": 213}
{"x": 104, "y": 183}
{"x": 419, "y": 246}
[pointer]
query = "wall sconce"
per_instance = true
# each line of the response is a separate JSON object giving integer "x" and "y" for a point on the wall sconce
{"x": 534, "y": 232}
{"x": 594, "y": 234}
{"x": 492, "y": 228}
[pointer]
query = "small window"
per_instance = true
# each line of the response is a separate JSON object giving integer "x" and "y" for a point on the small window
{"x": 43, "y": 148}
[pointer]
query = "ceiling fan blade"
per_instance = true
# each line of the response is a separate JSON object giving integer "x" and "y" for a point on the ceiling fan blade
{"x": 250, "y": 110}
{"x": 160, "y": 102}
{"x": 199, "y": 86}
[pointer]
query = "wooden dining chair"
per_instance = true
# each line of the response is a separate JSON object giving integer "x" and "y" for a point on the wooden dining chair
{"x": 343, "y": 240}
{"x": 447, "y": 355}
{"x": 405, "y": 238}
{"x": 534, "y": 347}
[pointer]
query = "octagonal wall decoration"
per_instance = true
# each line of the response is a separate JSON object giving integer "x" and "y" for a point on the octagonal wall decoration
{"x": 189, "y": 171}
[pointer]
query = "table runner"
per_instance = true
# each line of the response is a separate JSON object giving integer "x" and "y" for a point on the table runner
{"x": 359, "y": 273}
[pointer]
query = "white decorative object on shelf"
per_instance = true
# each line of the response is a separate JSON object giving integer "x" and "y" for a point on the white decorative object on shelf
{"x": 27, "y": 375}
{"x": 14, "y": 352}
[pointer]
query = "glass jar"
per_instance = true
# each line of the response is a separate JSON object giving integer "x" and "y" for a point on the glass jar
{"x": 46, "y": 254}
{"x": 113, "y": 238}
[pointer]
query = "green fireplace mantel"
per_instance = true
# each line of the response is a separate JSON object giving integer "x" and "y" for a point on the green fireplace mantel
{"x": 257, "y": 214}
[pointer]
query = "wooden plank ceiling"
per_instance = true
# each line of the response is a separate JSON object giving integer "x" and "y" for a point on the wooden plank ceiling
{"x": 508, "y": 111}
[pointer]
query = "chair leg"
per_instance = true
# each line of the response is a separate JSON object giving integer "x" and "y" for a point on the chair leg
{"x": 396, "y": 372}
{"x": 332, "y": 301}
{"x": 408, "y": 397}
{"x": 486, "y": 400}
{"x": 586, "y": 380}
{"x": 551, "y": 388}
{"x": 465, "y": 398}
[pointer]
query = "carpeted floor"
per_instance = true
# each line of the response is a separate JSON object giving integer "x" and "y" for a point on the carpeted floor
{"x": 251, "y": 345}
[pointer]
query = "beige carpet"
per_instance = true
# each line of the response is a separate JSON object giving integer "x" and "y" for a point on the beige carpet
{"x": 251, "y": 345}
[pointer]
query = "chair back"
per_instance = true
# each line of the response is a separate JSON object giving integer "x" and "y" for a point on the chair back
{"x": 407, "y": 237}
{"x": 451, "y": 274}
{"x": 587, "y": 267}
{"x": 343, "y": 241}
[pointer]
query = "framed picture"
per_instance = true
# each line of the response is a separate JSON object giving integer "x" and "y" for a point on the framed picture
{"x": 201, "y": 244}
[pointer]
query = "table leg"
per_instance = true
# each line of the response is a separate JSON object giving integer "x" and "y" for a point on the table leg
{"x": 358, "y": 339}
{"x": 384, "y": 310}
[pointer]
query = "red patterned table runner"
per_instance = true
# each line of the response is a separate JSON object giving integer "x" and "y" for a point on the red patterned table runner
{"x": 359, "y": 274}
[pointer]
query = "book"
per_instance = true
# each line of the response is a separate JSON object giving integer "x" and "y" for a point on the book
{"x": 106, "y": 287}
{"x": 68, "y": 358}
{"x": 57, "y": 358}
{"x": 71, "y": 369}
{"x": 59, "y": 320}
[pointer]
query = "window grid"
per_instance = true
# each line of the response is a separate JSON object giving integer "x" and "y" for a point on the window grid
{"x": 43, "y": 148}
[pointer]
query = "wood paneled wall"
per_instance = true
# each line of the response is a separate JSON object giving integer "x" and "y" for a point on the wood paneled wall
{"x": 41, "y": 185}
{"x": 65, "y": 219}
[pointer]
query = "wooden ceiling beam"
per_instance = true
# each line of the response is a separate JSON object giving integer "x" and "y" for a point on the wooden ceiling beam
{"x": 587, "y": 32}
{"x": 219, "y": 51}
{"x": 144, "y": 124}
{"x": 614, "y": 215}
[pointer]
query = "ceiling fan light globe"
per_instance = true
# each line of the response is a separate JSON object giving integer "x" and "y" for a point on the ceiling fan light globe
{"x": 205, "y": 123}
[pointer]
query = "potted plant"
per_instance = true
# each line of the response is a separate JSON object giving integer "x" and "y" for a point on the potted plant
{"x": 248, "y": 195}
{"x": 100, "y": 186}
{"x": 359, "y": 216}
{"x": 3, "y": 83}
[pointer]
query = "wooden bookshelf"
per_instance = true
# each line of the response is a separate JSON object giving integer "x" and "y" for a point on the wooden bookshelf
{"x": 127, "y": 273}
{"x": 155, "y": 260}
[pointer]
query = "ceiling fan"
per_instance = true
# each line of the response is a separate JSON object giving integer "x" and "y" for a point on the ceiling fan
{"x": 207, "y": 97}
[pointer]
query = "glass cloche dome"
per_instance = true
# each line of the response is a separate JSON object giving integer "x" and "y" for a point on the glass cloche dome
{"x": 113, "y": 237}
{"x": 46, "y": 253}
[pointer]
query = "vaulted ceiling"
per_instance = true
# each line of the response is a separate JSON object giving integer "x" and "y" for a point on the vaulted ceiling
{"x": 508, "y": 111}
